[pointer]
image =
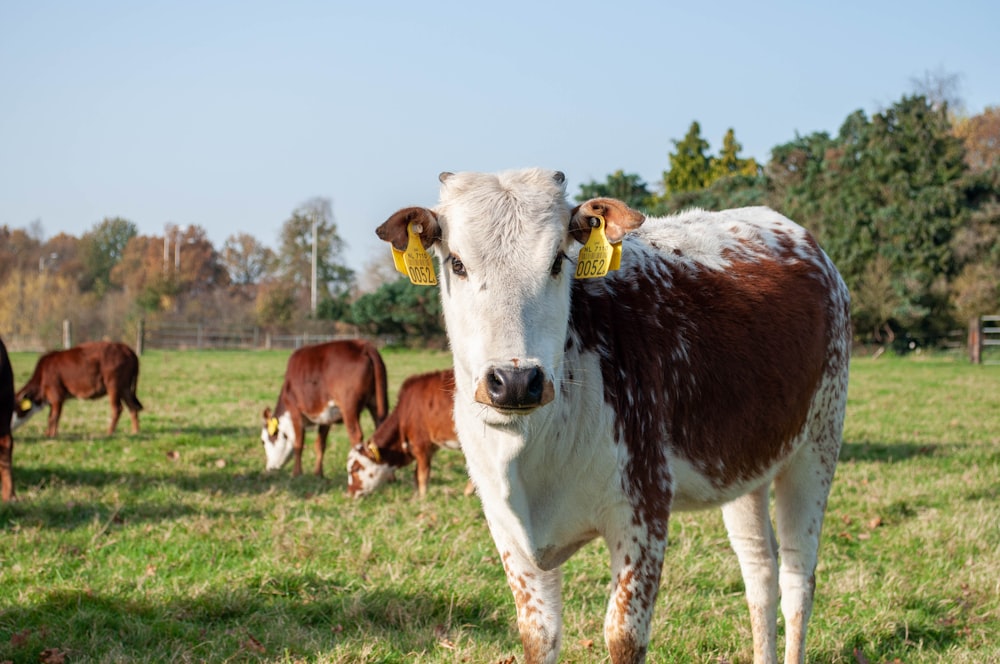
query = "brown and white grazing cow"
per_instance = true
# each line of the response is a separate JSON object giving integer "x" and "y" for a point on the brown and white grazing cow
{"x": 710, "y": 366}
{"x": 421, "y": 423}
{"x": 6, "y": 414}
{"x": 324, "y": 384}
{"x": 88, "y": 371}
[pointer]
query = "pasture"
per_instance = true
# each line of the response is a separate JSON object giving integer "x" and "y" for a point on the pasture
{"x": 175, "y": 546}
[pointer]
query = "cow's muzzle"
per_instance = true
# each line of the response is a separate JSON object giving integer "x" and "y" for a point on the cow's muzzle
{"x": 515, "y": 389}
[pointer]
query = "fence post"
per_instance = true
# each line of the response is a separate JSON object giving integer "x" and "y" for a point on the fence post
{"x": 140, "y": 336}
{"x": 975, "y": 341}
{"x": 67, "y": 333}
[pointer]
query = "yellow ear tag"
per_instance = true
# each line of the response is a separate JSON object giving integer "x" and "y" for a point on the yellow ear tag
{"x": 26, "y": 404}
{"x": 272, "y": 426}
{"x": 419, "y": 266}
{"x": 397, "y": 259}
{"x": 616, "y": 256}
{"x": 373, "y": 448}
{"x": 595, "y": 258}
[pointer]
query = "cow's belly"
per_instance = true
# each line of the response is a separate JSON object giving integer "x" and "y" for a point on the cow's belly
{"x": 694, "y": 490}
{"x": 326, "y": 415}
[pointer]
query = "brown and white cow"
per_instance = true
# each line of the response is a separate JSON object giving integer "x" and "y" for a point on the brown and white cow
{"x": 325, "y": 384}
{"x": 88, "y": 371}
{"x": 6, "y": 413}
{"x": 710, "y": 366}
{"x": 421, "y": 423}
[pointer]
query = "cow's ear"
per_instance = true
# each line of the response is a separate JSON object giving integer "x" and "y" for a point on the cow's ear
{"x": 267, "y": 414}
{"x": 619, "y": 219}
{"x": 425, "y": 224}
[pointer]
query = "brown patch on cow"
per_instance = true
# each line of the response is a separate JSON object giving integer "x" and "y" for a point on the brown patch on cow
{"x": 7, "y": 406}
{"x": 749, "y": 340}
{"x": 619, "y": 219}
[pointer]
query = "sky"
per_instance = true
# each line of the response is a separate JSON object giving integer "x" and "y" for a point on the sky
{"x": 230, "y": 115}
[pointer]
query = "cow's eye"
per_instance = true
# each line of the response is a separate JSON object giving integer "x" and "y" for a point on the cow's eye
{"x": 557, "y": 264}
{"x": 457, "y": 266}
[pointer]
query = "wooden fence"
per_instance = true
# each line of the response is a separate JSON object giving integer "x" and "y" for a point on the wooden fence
{"x": 194, "y": 336}
{"x": 984, "y": 337}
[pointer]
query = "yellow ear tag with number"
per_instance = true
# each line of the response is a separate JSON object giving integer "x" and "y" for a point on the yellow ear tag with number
{"x": 376, "y": 455}
{"x": 272, "y": 426}
{"x": 26, "y": 404}
{"x": 419, "y": 266}
{"x": 598, "y": 256}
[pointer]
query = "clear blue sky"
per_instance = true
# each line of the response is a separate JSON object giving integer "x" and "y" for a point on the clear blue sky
{"x": 229, "y": 115}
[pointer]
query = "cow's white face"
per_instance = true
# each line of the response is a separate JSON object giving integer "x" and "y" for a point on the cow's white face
{"x": 364, "y": 475}
{"x": 279, "y": 447}
{"x": 23, "y": 412}
{"x": 506, "y": 267}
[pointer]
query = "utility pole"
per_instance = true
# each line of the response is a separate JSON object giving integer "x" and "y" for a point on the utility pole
{"x": 314, "y": 256}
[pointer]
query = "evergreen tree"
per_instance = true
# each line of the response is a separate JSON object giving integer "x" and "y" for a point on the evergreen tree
{"x": 625, "y": 187}
{"x": 690, "y": 166}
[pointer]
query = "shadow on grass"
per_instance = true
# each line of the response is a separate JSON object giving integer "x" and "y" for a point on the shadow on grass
{"x": 296, "y": 616}
{"x": 885, "y": 452}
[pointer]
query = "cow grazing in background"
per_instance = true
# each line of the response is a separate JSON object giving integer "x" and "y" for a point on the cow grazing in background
{"x": 88, "y": 371}
{"x": 421, "y": 423}
{"x": 324, "y": 384}
{"x": 710, "y": 365}
{"x": 6, "y": 414}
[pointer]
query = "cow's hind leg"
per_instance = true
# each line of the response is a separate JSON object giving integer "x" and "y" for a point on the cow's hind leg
{"x": 116, "y": 410}
{"x": 323, "y": 431}
{"x": 801, "y": 492}
{"x": 133, "y": 405}
{"x": 750, "y": 533}
{"x": 6, "y": 467}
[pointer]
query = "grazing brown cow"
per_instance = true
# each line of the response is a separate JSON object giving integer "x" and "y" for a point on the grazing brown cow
{"x": 421, "y": 423}
{"x": 324, "y": 384}
{"x": 87, "y": 371}
{"x": 6, "y": 413}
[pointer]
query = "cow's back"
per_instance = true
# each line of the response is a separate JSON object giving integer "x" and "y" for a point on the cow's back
{"x": 426, "y": 407}
{"x": 341, "y": 371}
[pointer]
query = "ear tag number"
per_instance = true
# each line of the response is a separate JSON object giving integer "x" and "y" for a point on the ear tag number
{"x": 418, "y": 263}
{"x": 272, "y": 426}
{"x": 598, "y": 256}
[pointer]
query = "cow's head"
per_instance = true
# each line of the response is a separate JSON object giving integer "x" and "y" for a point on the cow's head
{"x": 26, "y": 404}
{"x": 367, "y": 470}
{"x": 507, "y": 246}
{"x": 278, "y": 436}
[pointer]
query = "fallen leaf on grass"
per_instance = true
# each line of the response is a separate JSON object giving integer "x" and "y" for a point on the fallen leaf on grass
{"x": 52, "y": 656}
{"x": 509, "y": 660}
{"x": 254, "y": 645}
{"x": 587, "y": 643}
{"x": 18, "y": 639}
{"x": 173, "y": 455}
{"x": 220, "y": 463}
{"x": 875, "y": 523}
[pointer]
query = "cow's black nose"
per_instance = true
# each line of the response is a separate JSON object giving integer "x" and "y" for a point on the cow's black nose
{"x": 515, "y": 387}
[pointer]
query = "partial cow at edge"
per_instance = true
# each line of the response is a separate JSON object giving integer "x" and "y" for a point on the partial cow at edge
{"x": 711, "y": 365}
{"x": 325, "y": 384}
{"x": 420, "y": 424}
{"x": 87, "y": 371}
{"x": 6, "y": 415}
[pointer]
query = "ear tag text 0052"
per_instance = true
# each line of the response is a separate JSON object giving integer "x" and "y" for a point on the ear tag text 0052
{"x": 415, "y": 262}
{"x": 598, "y": 256}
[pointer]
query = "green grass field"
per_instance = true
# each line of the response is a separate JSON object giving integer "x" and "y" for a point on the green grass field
{"x": 174, "y": 546}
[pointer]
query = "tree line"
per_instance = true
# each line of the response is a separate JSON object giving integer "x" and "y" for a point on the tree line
{"x": 906, "y": 203}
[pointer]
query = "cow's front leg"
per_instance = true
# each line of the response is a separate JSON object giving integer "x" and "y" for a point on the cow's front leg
{"x": 299, "y": 430}
{"x": 636, "y": 562}
{"x": 55, "y": 411}
{"x": 538, "y": 596}
{"x": 322, "y": 432}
